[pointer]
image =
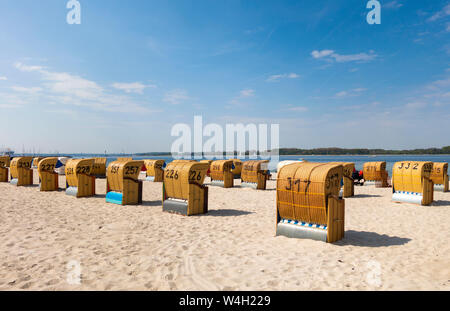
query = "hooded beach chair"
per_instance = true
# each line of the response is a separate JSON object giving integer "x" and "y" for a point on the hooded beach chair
{"x": 412, "y": 183}
{"x": 48, "y": 178}
{"x": 4, "y": 164}
{"x": 208, "y": 173}
{"x": 348, "y": 185}
{"x": 308, "y": 203}
{"x": 183, "y": 189}
{"x": 237, "y": 168}
{"x": 36, "y": 160}
{"x": 155, "y": 170}
{"x": 21, "y": 171}
{"x": 123, "y": 186}
{"x": 254, "y": 174}
{"x": 439, "y": 176}
{"x": 99, "y": 168}
{"x": 79, "y": 179}
{"x": 375, "y": 174}
{"x": 221, "y": 174}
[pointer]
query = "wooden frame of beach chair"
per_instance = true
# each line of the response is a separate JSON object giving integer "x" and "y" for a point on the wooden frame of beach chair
{"x": 308, "y": 203}
{"x": 123, "y": 186}
{"x": 48, "y": 178}
{"x": 36, "y": 160}
{"x": 254, "y": 174}
{"x": 79, "y": 179}
{"x": 221, "y": 174}
{"x": 21, "y": 171}
{"x": 375, "y": 174}
{"x": 348, "y": 187}
{"x": 208, "y": 173}
{"x": 183, "y": 189}
{"x": 439, "y": 176}
{"x": 155, "y": 170}
{"x": 99, "y": 168}
{"x": 412, "y": 183}
{"x": 237, "y": 168}
{"x": 124, "y": 159}
{"x": 4, "y": 164}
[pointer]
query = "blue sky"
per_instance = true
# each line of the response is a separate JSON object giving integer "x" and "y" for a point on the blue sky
{"x": 133, "y": 69}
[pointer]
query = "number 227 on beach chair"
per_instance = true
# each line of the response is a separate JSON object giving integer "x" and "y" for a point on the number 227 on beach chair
{"x": 48, "y": 178}
{"x": 122, "y": 184}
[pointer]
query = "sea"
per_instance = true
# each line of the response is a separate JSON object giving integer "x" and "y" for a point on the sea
{"x": 359, "y": 160}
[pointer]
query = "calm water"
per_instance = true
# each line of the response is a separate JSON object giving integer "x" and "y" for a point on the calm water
{"x": 358, "y": 160}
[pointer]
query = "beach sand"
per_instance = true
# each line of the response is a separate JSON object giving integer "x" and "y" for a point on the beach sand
{"x": 387, "y": 246}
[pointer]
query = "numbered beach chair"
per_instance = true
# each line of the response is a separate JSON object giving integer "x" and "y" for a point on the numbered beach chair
{"x": 348, "y": 186}
{"x": 99, "y": 168}
{"x": 254, "y": 174}
{"x": 79, "y": 179}
{"x": 124, "y": 159}
{"x": 221, "y": 174}
{"x": 123, "y": 186}
{"x": 155, "y": 170}
{"x": 21, "y": 171}
{"x": 439, "y": 176}
{"x": 4, "y": 164}
{"x": 412, "y": 183}
{"x": 375, "y": 174}
{"x": 308, "y": 203}
{"x": 208, "y": 173}
{"x": 36, "y": 161}
{"x": 237, "y": 168}
{"x": 183, "y": 189}
{"x": 48, "y": 178}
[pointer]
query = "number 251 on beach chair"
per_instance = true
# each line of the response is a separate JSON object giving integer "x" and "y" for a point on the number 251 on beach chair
{"x": 221, "y": 173}
{"x": 123, "y": 186}
{"x": 411, "y": 182}
{"x": 79, "y": 179}
{"x": 439, "y": 176}
{"x": 375, "y": 174}
{"x": 254, "y": 174}
{"x": 183, "y": 189}
{"x": 155, "y": 170}
{"x": 21, "y": 171}
{"x": 308, "y": 203}
{"x": 48, "y": 178}
{"x": 4, "y": 164}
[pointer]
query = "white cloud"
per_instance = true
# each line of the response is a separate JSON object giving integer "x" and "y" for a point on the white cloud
{"x": 26, "y": 89}
{"x": 350, "y": 93}
{"x": 176, "y": 97}
{"x": 247, "y": 93}
{"x": 135, "y": 87}
{"x": 416, "y": 105}
{"x": 392, "y": 5}
{"x": 26, "y": 68}
{"x": 298, "y": 109}
{"x": 441, "y": 14}
{"x": 330, "y": 55}
{"x": 3, "y": 78}
{"x": 274, "y": 78}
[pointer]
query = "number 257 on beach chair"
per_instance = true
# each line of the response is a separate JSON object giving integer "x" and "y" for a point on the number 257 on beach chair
{"x": 122, "y": 184}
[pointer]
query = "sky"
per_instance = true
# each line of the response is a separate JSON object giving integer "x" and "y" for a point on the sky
{"x": 120, "y": 80}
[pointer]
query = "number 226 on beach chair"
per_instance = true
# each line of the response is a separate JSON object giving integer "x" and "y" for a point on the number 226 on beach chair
{"x": 183, "y": 189}
{"x": 4, "y": 164}
{"x": 123, "y": 186}
{"x": 439, "y": 176}
{"x": 48, "y": 178}
{"x": 21, "y": 171}
{"x": 308, "y": 203}
{"x": 411, "y": 182}
{"x": 79, "y": 179}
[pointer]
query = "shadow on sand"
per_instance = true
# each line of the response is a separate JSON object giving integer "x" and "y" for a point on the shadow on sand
{"x": 440, "y": 203}
{"x": 362, "y": 196}
{"x": 370, "y": 239}
{"x": 152, "y": 203}
{"x": 227, "y": 212}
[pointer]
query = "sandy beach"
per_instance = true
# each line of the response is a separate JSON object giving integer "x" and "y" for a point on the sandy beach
{"x": 387, "y": 246}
